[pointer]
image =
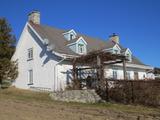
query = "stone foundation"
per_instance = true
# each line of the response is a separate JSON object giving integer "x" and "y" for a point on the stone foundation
{"x": 83, "y": 96}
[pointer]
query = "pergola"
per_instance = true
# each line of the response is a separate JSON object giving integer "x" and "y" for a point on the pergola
{"x": 96, "y": 60}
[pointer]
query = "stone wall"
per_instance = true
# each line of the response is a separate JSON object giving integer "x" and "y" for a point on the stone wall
{"x": 83, "y": 96}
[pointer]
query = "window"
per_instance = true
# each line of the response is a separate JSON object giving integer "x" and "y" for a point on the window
{"x": 129, "y": 57}
{"x": 128, "y": 75}
{"x": 30, "y": 54}
{"x": 136, "y": 76}
{"x": 144, "y": 76}
{"x": 80, "y": 48}
{"x": 71, "y": 36}
{"x": 30, "y": 77}
{"x": 114, "y": 74}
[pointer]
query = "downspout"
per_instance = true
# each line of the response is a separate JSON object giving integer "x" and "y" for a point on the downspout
{"x": 55, "y": 75}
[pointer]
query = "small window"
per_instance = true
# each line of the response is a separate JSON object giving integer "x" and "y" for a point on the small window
{"x": 115, "y": 74}
{"x": 30, "y": 77}
{"x": 80, "y": 48}
{"x": 30, "y": 54}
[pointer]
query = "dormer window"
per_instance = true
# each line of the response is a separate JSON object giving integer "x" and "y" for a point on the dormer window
{"x": 127, "y": 53}
{"x": 81, "y": 48}
{"x": 129, "y": 57}
{"x": 70, "y": 35}
{"x": 116, "y": 49}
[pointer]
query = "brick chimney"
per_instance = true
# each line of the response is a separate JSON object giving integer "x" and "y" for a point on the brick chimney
{"x": 34, "y": 16}
{"x": 114, "y": 38}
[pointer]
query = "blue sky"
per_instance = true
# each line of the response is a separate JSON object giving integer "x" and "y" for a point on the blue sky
{"x": 136, "y": 21}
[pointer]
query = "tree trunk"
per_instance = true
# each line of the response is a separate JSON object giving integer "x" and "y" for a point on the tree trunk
{"x": 0, "y": 83}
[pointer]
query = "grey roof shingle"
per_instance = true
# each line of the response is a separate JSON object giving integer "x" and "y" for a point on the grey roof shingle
{"x": 56, "y": 38}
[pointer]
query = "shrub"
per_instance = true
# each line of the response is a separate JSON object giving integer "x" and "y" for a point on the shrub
{"x": 6, "y": 84}
{"x": 138, "y": 92}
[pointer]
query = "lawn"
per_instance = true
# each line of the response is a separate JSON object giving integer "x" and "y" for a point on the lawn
{"x": 16, "y": 104}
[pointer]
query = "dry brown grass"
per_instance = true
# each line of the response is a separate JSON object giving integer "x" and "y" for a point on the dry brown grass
{"x": 18, "y": 104}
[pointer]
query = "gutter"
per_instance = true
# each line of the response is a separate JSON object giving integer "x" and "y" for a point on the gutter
{"x": 55, "y": 74}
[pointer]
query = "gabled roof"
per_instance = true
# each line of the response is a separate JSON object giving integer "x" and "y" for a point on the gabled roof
{"x": 55, "y": 37}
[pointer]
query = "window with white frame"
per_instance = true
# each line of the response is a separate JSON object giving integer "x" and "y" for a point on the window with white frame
{"x": 30, "y": 77}
{"x": 30, "y": 54}
{"x": 128, "y": 75}
{"x": 71, "y": 36}
{"x": 81, "y": 48}
{"x": 115, "y": 76}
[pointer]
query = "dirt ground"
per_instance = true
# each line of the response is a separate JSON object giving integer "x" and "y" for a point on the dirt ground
{"x": 26, "y": 106}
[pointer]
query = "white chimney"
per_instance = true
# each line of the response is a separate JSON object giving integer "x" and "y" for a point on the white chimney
{"x": 34, "y": 16}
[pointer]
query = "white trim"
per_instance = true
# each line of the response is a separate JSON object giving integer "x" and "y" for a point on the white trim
{"x": 107, "y": 49}
{"x": 72, "y": 30}
{"x": 128, "y": 50}
{"x": 135, "y": 66}
{"x": 71, "y": 44}
{"x": 80, "y": 38}
{"x": 111, "y": 48}
{"x": 36, "y": 33}
{"x": 116, "y": 45}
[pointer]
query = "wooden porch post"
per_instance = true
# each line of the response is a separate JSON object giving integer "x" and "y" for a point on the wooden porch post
{"x": 75, "y": 75}
{"x": 101, "y": 72}
{"x": 99, "y": 68}
{"x": 124, "y": 69}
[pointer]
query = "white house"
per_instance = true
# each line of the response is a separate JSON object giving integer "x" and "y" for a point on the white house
{"x": 42, "y": 53}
